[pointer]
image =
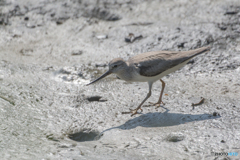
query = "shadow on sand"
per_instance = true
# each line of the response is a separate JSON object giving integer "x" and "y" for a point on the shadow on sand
{"x": 162, "y": 120}
{"x": 145, "y": 120}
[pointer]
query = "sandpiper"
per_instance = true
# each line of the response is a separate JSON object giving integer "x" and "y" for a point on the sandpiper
{"x": 150, "y": 67}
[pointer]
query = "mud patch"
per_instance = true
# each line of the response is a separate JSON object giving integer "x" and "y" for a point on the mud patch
{"x": 85, "y": 135}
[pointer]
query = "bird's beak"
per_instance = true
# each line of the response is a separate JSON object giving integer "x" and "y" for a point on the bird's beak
{"x": 102, "y": 76}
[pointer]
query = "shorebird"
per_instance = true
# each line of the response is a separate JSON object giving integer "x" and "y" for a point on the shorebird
{"x": 150, "y": 67}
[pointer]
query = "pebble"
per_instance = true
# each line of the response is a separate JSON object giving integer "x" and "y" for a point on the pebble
{"x": 175, "y": 137}
{"x": 216, "y": 114}
{"x": 102, "y": 36}
{"x": 131, "y": 38}
{"x": 77, "y": 52}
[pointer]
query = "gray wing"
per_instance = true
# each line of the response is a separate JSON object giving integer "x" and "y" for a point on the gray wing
{"x": 153, "y": 63}
{"x": 156, "y": 66}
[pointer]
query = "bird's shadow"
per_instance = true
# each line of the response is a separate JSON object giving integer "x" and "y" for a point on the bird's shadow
{"x": 162, "y": 120}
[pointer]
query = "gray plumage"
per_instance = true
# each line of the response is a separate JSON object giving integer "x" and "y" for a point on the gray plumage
{"x": 153, "y": 63}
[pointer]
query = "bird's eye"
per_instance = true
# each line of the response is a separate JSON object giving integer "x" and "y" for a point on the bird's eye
{"x": 115, "y": 66}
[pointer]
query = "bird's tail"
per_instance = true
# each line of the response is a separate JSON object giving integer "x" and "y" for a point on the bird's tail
{"x": 200, "y": 51}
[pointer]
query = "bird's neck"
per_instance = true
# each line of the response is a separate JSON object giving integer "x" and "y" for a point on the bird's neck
{"x": 125, "y": 73}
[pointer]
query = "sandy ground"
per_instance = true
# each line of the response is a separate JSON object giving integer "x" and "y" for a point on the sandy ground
{"x": 50, "y": 49}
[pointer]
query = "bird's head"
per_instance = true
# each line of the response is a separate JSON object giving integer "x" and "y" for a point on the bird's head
{"x": 114, "y": 66}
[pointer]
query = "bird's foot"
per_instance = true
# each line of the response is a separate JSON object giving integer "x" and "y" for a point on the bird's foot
{"x": 158, "y": 104}
{"x": 134, "y": 111}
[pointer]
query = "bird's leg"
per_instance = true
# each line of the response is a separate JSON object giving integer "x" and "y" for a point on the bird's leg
{"x": 134, "y": 111}
{"x": 160, "y": 98}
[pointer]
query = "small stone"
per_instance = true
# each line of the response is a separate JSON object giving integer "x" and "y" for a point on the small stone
{"x": 29, "y": 25}
{"x": 77, "y": 52}
{"x": 175, "y": 137}
{"x": 26, "y": 52}
{"x": 59, "y": 22}
{"x": 95, "y": 98}
{"x": 191, "y": 61}
{"x": 131, "y": 38}
{"x": 231, "y": 12}
{"x": 102, "y": 36}
{"x": 222, "y": 27}
{"x": 181, "y": 45}
{"x": 100, "y": 65}
{"x": 178, "y": 28}
{"x": 216, "y": 114}
{"x": 26, "y": 18}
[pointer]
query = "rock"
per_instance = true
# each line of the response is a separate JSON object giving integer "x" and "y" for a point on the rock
{"x": 230, "y": 12}
{"x": 216, "y": 114}
{"x": 26, "y": 18}
{"x": 191, "y": 61}
{"x": 222, "y": 27}
{"x": 30, "y": 25}
{"x": 59, "y": 22}
{"x": 175, "y": 137}
{"x": 77, "y": 52}
{"x": 100, "y": 65}
{"x": 95, "y": 98}
{"x": 102, "y": 36}
{"x": 26, "y": 52}
{"x": 131, "y": 38}
{"x": 181, "y": 45}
